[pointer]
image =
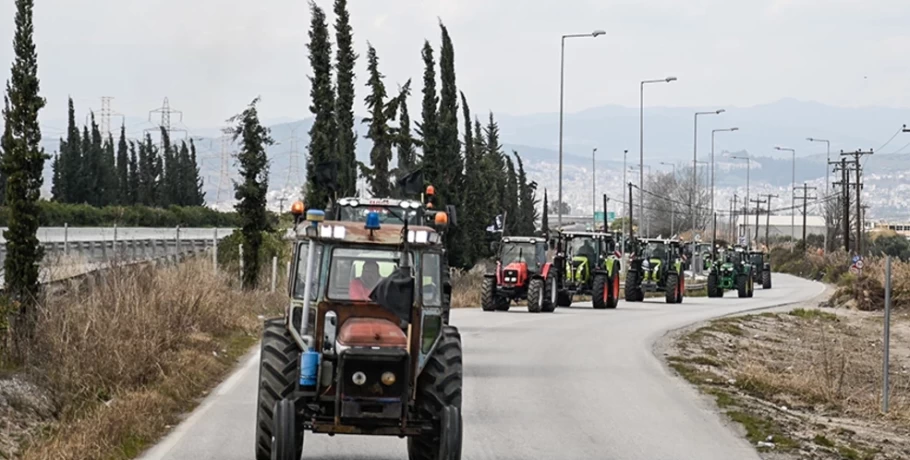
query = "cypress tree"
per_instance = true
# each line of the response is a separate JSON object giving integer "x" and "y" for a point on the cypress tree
{"x": 23, "y": 165}
{"x": 346, "y": 137}
{"x": 168, "y": 180}
{"x": 526, "y": 198}
{"x": 86, "y": 169}
{"x": 133, "y": 182}
{"x": 379, "y": 132}
{"x": 449, "y": 155}
{"x": 428, "y": 127}
{"x": 55, "y": 178}
{"x": 6, "y": 139}
{"x": 182, "y": 176}
{"x": 404, "y": 142}
{"x": 475, "y": 221}
{"x": 71, "y": 179}
{"x": 195, "y": 183}
{"x": 322, "y": 133}
{"x": 123, "y": 178}
{"x": 491, "y": 206}
{"x": 109, "y": 179}
{"x": 494, "y": 165}
{"x": 511, "y": 202}
{"x": 544, "y": 220}
{"x": 250, "y": 192}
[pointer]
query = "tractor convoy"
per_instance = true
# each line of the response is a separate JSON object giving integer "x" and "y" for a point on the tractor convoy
{"x": 365, "y": 346}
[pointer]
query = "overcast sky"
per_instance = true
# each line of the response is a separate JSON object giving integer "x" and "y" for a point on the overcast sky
{"x": 211, "y": 57}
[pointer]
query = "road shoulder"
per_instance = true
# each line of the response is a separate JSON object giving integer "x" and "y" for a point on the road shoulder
{"x": 797, "y": 381}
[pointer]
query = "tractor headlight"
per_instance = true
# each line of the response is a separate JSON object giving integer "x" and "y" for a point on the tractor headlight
{"x": 359, "y": 378}
{"x": 388, "y": 378}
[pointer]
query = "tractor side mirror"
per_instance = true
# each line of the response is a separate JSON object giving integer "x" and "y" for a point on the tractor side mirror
{"x": 453, "y": 215}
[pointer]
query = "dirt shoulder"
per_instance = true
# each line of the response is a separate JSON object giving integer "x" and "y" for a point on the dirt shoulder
{"x": 802, "y": 382}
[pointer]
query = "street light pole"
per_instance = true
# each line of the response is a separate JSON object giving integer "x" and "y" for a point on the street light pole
{"x": 625, "y": 236}
{"x": 594, "y": 183}
{"x": 827, "y": 180}
{"x": 748, "y": 169}
{"x": 695, "y": 170}
{"x": 641, "y": 144}
{"x": 562, "y": 67}
{"x": 714, "y": 225}
{"x": 672, "y": 211}
{"x": 792, "y": 197}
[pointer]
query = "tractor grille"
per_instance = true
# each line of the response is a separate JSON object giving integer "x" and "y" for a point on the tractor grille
{"x": 373, "y": 399}
{"x": 510, "y": 276}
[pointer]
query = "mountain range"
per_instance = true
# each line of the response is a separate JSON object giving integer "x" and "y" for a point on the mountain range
{"x": 668, "y": 138}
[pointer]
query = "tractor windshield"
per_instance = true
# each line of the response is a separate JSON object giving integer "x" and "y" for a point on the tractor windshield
{"x": 654, "y": 250}
{"x": 354, "y": 272}
{"x": 583, "y": 246}
{"x": 387, "y": 214}
{"x": 519, "y": 252}
{"x": 757, "y": 259}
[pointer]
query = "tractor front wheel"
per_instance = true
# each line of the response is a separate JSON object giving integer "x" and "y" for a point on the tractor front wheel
{"x": 613, "y": 297}
{"x": 287, "y": 443}
{"x": 751, "y": 285}
{"x": 550, "y": 288}
{"x": 742, "y": 288}
{"x": 439, "y": 399}
{"x": 766, "y": 279}
{"x": 564, "y": 298}
{"x": 672, "y": 289}
{"x": 600, "y": 292}
{"x": 535, "y": 295}
{"x": 633, "y": 288}
{"x": 278, "y": 371}
{"x": 682, "y": 288}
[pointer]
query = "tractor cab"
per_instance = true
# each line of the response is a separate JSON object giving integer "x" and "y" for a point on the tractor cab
{"x": 363, "y": 347}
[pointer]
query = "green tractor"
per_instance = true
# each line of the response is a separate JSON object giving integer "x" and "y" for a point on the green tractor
{"x": 731, "y": 270}
{"x": 655, "y": 265}
{"x": 589, "y": 265}
{"x": 761, "y": 262}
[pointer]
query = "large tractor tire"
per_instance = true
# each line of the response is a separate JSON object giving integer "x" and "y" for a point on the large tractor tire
{"x": 600, "y": 292}
{"x": 672, "y": 289}
{"x": 682, "y": 288}
{"x": 742, "y": 286}
{"x": 613, "y": 297}
{"x": 438, "y": 390}
{"x": 550, "y": 287}
{"x": 278, "y": 372}
{"x": 766, "y": 279}
{"x": 633, "y": 287}
{"x": 751, "y": 285}
{"x": 488, "y": 294}
{"x": 536, "y": 289}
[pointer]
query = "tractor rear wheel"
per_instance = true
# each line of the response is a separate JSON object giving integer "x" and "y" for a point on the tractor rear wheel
{"x": 766, "y": 279}
{"x": 600, "y": 292}
{"x": 751, "y": 285}
{"x": 439, "y": 388}
{"x": 488, "y": 294}
{"x": 742, "y": 289}
{"x": 672, "y": 288}
{"x": 535, "y": 295}
{"x": 278, "y": 371}
{"x": 549, "y": 304}
{"x": 613, "y": 297}
{"x": 682, "y": 288}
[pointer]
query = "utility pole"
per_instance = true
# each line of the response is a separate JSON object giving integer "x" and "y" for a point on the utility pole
{"x": 758, "y": 202}
{"x": 859, "y": 187}
{"x": 631, "y": 226}
{"x": 733, "y": 213}
{"x": 606, "y": 221}
{"x": 843, "y": 166}
{"x": 805, "y": 188}
{"x": 768, "y": 221}
{"x": 281, "y": 201}
{"x": 106, "y": 113}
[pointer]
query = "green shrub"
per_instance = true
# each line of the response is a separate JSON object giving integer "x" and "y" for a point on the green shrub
{"x": 273, "y": 245}
{"x": 55, "y": 214}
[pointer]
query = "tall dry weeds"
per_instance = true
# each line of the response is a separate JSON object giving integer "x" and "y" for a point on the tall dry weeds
{"x": 466, "y": 287}
{"x": 127, "y": 354}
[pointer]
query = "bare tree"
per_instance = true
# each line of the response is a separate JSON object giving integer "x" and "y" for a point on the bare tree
{"x": 667, "y": 199}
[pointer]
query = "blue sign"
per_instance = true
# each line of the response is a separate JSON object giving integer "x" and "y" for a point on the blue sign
{"x": 856, "y": 259}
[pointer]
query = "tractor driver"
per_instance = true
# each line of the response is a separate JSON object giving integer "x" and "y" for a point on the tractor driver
{"x": 586, "y": 250}
{"x": 360, "y": 288}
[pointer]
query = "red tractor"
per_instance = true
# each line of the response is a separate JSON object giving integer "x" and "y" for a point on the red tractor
{"x": 522, "y": 273}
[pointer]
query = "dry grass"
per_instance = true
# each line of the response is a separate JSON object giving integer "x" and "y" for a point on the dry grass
{"x": 127, "y": 354}
{"x": 466, "y": 286}
{"x": 868, "y": 291}
{"x": 810, "y": 374}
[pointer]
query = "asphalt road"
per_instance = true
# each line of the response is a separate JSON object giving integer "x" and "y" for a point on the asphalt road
{"x": 575, "y": 384}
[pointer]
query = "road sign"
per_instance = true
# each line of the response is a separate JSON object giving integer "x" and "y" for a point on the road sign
{"x": 859, "y": 264}
{"x": 856, "y": 259}
{"x": 742, "y": 240}
{"x": 599, "y": 216}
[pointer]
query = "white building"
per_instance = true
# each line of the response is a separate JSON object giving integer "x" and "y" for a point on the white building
{"x": 780, "y": 225}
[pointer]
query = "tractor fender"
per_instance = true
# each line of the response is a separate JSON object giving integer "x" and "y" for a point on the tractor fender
{"x": 613, "y": 265}
{"x": 545, "y": 271}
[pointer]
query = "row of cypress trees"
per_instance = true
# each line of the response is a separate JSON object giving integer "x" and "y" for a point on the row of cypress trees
{"x": 90, "y": 169}
{"x": 471, "y": 172}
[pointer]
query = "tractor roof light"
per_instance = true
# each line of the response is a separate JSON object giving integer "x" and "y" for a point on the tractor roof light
{"x": 372, "y": 222}
{"x": 431, "y": 190}
{"x": 419, "y": 237}
{"x": 315, "y": 215}
{"x": 297, "y": 208}
{"x": 441, "y": 218}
